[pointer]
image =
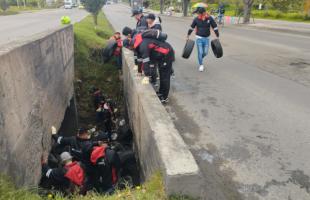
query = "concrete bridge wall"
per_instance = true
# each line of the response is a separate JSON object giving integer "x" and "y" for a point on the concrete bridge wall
{"x": 36, "y": 85}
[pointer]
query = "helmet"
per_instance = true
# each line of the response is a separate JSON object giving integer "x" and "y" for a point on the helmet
{"x": 65, "y": 156}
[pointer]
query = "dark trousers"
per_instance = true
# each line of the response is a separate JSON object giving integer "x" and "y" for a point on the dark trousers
{"x": 164, "y": 69}
{"x": 119, "y": 62}
{"x": 153, "y": 69}
{"x": 140, "y": 67}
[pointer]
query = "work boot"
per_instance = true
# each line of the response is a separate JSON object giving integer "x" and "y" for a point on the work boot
{"x": 163, "y": 100}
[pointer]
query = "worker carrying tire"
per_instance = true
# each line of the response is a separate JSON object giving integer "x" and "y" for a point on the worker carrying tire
{"x": 70, "y": 178}
{"x": 202, "y": 24}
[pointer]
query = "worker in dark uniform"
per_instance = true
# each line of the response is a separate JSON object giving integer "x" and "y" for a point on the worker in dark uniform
{"x": 159, "y": 52}
{"x": 106, "y": 164}
{"x": 153, "y": 22}
{"x": 97, "y": 97}
{"x": 140, "y": 26}
{"x": 141, "y": 20}
{"x": 81, "y": 140}
{"x": 202, "y": 24}
{"x": 69, "y": 179}
{"x": 221, "y": 12}
{"x": 80, "y": 147}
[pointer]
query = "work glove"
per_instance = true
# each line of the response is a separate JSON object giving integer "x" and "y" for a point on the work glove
{"x": 54, "y": 130}
{"x": 145, "y": 80}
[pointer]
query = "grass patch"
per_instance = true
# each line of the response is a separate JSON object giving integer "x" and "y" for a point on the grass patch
{"x": 8, "y": 12}
{"x": 151, "y": 190}
{"x": 13, "y": 10}
{"x": 90, "y": 69}
{"x": 8, "y": 191}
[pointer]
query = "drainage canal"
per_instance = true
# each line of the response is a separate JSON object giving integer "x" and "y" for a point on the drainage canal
{"x": 99, "y": 109}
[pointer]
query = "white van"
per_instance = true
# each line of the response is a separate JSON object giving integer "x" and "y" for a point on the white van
{"x": 68, "y": 5}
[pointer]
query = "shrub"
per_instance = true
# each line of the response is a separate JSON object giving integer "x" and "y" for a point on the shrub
{"x": 266, "y": 14}
{"x": 278, "y": 14}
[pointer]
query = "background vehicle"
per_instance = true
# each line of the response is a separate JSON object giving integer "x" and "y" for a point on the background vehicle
{"x": 70, "y": 4}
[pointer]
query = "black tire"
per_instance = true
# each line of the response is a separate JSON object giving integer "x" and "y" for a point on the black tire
{"x": 189, "y": 46}
{"x": 217, "y": 48}
{"x": 108, "y": 50}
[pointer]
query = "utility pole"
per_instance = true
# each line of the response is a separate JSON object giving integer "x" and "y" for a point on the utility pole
{"x": 161, "y": 6}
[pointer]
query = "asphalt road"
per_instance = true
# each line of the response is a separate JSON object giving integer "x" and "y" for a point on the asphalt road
{"x": 247, "y": 118}
{"x": 16, "y": 27}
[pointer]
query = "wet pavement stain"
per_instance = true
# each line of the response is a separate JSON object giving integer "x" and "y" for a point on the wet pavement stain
{"x": 237, "y": 152}
{"x": 299, "y": 178}
{"x": 219, "y": 184}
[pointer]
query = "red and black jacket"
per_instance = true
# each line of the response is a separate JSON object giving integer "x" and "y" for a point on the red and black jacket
{"x": 107, "y": 161}
{"x": 152, "y": 50}
{"x": 202, "y": 25}
{"x": 74, "y": 173}
{"x": 71, "y": 173}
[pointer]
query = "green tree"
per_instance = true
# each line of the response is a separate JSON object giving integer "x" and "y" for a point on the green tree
{"x": 94, "y": 7}
{"x": 4, "y": 5}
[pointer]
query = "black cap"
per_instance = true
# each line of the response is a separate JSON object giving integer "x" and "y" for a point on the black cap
{"x": 201, "y": 10}
{"x": 126, "y": 30}
{"x": 151, "y": 16}
{"x": 136, "y": 11}
{"x": 102, "y": 136}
